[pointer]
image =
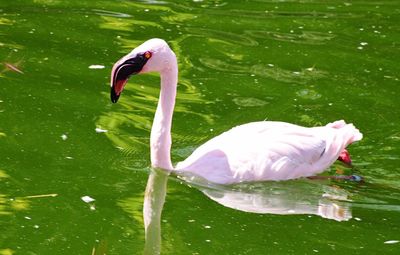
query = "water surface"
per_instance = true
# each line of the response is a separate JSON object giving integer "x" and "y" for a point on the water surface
{"x": 305, "y": 62}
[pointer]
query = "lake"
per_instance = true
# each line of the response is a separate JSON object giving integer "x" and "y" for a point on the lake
{"x": 75, "y": 173}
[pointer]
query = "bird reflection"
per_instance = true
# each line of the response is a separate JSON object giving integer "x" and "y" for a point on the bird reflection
{"x": 283, "y": 198}
{"x": 154, "y": 199}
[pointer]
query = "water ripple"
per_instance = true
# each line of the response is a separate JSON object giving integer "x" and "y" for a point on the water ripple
{"x": 129, "y": 127}
{"x": 303, "y": 76}
{"x": 249, "y": 101}
{"x": 128, "y": 25}
{"x": 303, "y": 37}
{"x": 227, "y": 37}
{"x": 111, "y": 13}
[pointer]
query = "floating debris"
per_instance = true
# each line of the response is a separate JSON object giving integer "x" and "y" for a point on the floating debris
{"x": 64, "y": 137}
{"x": 13, "y": 68}
{"x": 87, "y": 199}
{"x": 44, "y": 195}
{"x": 96, "y": 67}
{"x": 100, "y": 130}
{"x": 392, "y": 242}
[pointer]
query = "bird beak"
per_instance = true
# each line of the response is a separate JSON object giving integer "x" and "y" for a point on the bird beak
{"x": 120, "y": 74}
{"x": 344, "y": 156}
{"x": 122, "y": 70}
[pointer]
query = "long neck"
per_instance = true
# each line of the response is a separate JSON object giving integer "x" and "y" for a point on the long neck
{"x": 160, "y": 139}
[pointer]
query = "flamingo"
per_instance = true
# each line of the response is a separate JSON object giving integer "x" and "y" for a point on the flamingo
{"x": 257, "y": 151}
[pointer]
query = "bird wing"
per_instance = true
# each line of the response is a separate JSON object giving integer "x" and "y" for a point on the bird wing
{"x": 257, "y": 151}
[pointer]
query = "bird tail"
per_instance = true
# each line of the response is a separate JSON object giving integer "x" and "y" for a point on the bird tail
{"x": 349, "y": 132}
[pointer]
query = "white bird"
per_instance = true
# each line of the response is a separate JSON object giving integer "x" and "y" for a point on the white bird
{"x": 257, "y": 151}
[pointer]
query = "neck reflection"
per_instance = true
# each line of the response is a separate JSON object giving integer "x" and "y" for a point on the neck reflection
{"x": 154, "y": 199}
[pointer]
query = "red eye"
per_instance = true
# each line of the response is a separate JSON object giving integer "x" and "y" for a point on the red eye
{"x": 147, "y": 54}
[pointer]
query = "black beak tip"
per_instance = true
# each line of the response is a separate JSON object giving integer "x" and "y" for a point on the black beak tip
{"x": 114, "y": 97}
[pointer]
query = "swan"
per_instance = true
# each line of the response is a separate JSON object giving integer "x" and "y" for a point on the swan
{"x": 257, "y": 151}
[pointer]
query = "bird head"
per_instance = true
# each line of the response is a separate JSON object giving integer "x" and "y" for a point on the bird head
{"x": 153, "y": 55}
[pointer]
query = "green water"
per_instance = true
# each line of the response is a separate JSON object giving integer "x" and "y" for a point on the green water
{"x": 305, "y": 62}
